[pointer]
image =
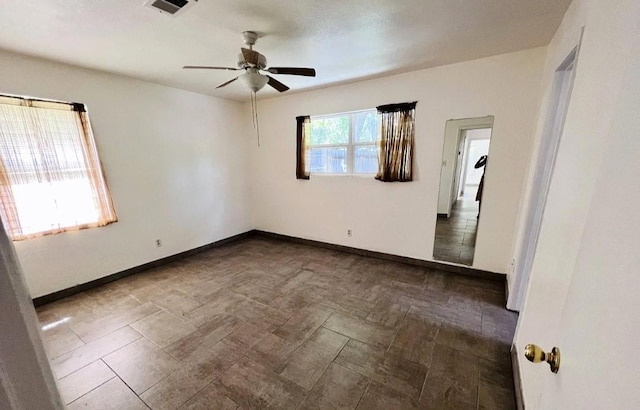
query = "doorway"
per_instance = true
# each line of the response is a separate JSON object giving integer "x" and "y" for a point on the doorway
{"x": 476, "y": 146}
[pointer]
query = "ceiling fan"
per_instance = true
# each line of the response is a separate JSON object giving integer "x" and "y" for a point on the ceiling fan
{"x": 252, "y": 63}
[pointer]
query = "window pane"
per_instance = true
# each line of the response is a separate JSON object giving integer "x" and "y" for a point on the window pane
{"x": 366, "y": 159}
{"x": 365, "y": 126}
{"x": 330, "y": 131}
{"x": 328, "y": 160}
{"x": 53, "y": 205}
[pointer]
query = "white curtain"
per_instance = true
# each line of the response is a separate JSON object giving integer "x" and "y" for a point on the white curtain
{"x": 51, "y": 179}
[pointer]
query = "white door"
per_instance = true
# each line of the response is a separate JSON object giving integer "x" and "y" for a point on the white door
{"x": 599, "y": 331}
{"x": 596, "y": 320}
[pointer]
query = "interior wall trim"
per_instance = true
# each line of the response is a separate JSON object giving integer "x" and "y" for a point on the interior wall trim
{"x": 462, "y": 270}
{"x": 52, "y": 297}
{"x": 459, "y": 269}
{"x": 517, "y": 380}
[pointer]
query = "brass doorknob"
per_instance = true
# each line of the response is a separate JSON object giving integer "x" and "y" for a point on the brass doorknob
{"x": 535, "y": 354}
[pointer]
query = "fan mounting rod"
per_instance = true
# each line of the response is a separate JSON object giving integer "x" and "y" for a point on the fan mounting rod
{"x": 250, "y": 38}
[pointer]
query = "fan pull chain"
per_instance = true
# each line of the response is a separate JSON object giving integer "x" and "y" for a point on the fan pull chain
{"x": 257, "y": 121}
{"x": 254, "y": 114}
{"x": 253, "y": 110}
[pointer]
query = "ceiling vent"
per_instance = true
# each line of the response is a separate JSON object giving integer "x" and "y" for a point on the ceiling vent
{"x": 171, "y": 7}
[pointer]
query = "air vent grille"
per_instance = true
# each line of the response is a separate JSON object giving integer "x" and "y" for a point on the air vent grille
{"x": 167, "y": 6}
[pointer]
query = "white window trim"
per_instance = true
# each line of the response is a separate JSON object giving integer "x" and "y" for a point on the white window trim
{"x": 350, "y": 146}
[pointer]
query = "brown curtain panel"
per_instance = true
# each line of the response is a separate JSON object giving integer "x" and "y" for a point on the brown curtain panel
{"x": 395, "y": 155}
{"x": 301, "y": 146}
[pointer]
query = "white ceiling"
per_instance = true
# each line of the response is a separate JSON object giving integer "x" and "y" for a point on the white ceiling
{"x": 343, "y": 40}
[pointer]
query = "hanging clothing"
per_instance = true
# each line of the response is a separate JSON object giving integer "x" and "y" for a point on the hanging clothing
{"x": 482, "y": 162}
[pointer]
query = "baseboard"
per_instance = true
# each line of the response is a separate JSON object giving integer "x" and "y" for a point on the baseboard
{"x": 517, "y": 380}
{"x": 462, "y": 270}
{"x": 52, "y": 297}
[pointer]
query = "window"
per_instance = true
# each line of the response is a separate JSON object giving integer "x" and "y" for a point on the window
{"x": 343, "y": 143}
{"x": 50, "y": 174}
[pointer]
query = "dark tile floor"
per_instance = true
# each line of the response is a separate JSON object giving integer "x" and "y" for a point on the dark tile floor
{"x": 456, "y": 236}
{"x": 262, "y": 323}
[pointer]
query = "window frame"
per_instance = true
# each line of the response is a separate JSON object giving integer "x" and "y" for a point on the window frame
{"x": 351, "y": 145}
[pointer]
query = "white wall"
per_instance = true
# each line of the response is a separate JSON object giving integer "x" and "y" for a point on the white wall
{"x": 604, "y": 56}
{"x": 399, "y": 218}
{"x": 175, "y": 162}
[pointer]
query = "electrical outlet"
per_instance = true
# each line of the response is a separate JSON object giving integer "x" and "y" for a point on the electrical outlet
{"x": 348, "y": 232}
{"x": 158, "y": 243}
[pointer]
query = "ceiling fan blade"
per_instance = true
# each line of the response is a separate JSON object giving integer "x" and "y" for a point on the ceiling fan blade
{"x": 277, "y": 84}
{"x": 308, "y": 72}
{"x": 227, "y": 83}
{"x": 206, "y": 67}
{"x": 250, "y": 56}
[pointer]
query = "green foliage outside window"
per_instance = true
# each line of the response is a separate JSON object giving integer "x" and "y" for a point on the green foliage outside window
{"x": 329, "y": 131}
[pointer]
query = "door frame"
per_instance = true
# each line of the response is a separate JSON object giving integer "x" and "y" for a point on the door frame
{"x": 562, "y": 88}
{"x": 26, "y": 378}
{"x": 457, "y": 173}
{"x": 465, "y": 160}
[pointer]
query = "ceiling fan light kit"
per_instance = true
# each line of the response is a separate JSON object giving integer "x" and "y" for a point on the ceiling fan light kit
{"x": 252, "y": 63}
{"x": 254, "y": 80}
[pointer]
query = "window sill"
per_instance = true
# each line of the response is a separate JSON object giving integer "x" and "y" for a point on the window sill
{"x": 372, "y": 176}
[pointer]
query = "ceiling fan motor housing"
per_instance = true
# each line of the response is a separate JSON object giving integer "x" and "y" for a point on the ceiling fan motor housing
{"x": 262, "y": 62}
